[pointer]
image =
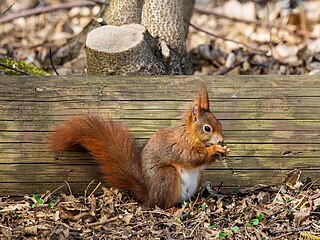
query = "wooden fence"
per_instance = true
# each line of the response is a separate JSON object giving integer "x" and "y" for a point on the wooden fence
{"x": 271, "y": 123}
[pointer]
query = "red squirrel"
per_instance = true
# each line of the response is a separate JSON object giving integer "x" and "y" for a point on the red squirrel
{"x": 167, "y": 170}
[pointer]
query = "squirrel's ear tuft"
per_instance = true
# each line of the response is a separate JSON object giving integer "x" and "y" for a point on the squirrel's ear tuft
{"x": 200, "y": 102}
{"x": 204, "y": 98}
{"x": 197, "y": 99}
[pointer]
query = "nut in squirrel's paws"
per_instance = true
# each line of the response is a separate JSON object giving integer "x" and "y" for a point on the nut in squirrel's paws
{"x": 222, "y": 150}
{"x": 219, "y": 149}
{"x": 227, "y": 150}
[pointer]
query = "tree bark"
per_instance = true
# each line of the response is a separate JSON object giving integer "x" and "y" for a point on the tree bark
{"x": 121, "y": 50}
{"x": 165, "y": 47}
{"x": 122, "y": 12}
{"x": 187, "y": 14}
{"x": 164, "y": 20}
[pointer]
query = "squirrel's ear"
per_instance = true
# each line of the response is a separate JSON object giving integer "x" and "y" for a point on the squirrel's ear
{"x": 197, "y": 99}
{"x": 195, "y": 112}
{"x": 204, "y": 98}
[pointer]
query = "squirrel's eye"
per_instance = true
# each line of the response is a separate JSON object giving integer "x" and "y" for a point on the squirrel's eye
{"x": 207, "y": 128}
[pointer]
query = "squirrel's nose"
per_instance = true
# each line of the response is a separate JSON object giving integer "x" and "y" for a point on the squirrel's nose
{"x": 217, "y": 140}
{"x": 221, "y": 139}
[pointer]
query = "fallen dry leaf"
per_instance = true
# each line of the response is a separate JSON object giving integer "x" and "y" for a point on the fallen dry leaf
{"x": 127, "y": 218}
{"x": 299, "y": 217}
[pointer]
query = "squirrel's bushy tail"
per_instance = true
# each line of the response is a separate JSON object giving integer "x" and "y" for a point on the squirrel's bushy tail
{"x": 112, "y": 146}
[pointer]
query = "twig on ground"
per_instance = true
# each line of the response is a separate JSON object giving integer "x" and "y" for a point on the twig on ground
{"x": 95, "y": 189}
{"x": 283, "y": 235}
{"x": 2, "y": 226}
{"x": 49, "y": 8}
{"x": 158, "y": 212}
{"x": 195, "y": 201}
{"x": 69, "y": 188}
{"x": 86, "y": 190}
{"x": 80, "y": 215}
{"x": 291, "y": 230}
{"x": 195, "y": 228}
{"x": 228, "y": 69}
{"x": 309, "y": 185}
{"x": 227, "y": 39}
{"x": 5, "y": 11}
{"x": 15, "y": 69}
{"x": 292, "y": 30}
{"x": 259, "y": 23}
{"x": 54, "y": 69}
{"x": 57, "y": 189}
{"x": 246, "y": 231}
{"x": 102, "y": 222}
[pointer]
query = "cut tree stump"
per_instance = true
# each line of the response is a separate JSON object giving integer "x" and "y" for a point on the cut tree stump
{"x": 271, "y": 123}
{"x": 121, "y": 50}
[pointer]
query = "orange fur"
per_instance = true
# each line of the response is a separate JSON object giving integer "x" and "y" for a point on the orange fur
{"x": 112, "y": 146}
{"x": 163, "y": 174}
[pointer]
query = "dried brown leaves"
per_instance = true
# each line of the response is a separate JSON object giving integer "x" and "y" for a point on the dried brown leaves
{"x": 256, "y": 213}
{"x": 274, "y": 38}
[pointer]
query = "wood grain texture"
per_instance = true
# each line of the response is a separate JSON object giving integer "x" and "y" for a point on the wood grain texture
{"x": 271, "y": 123}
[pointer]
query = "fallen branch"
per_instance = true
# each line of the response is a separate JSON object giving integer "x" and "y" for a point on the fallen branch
{"x": 291, "y": 30}
{"x": 259, "y": 23}
{"x": 50, "y": 8}
{"x": 283, "y": 235}
{"x": 93, "y": 191}
{"x": 291, "y": 230}
{"x": 52, "y": 65}
{"x": 228, "y": 69}
{"x": 227, "y": 39}
{"x": 194, "y": 229}
{"x": 14, "y": 69}
{"x": 7, "y": 9}
{"x": 102, "y": 222}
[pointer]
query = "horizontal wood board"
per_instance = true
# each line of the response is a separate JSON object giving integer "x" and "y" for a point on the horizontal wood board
{"x": 271, "y": 123}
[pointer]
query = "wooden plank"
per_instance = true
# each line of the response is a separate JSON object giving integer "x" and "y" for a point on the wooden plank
{"x": 293, "y": 159}
{"x": 271, "y": 123}
{"x": 23, "y": 188}
{"x": 150, "y": 126}
{"x": 239, "y": 109}
{"x": 256, "y": 136}
{"x": 238, "y": 149}
{"x": 41, "y": 182}
{"x": 15, "y": 173}
{"x": 130, "y": 88}
{"x": 53, "y": 173}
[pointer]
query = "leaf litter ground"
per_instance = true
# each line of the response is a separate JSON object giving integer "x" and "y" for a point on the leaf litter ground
{"x": 287, "y": 44}
{"x": 288, "y": 211}
{"x": 225, "y": 36}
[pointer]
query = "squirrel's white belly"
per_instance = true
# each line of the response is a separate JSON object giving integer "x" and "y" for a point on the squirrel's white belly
{"x": 189, "y": 182}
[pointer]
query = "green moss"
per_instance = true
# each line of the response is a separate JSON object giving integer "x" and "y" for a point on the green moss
{"x": 11, "y": 66}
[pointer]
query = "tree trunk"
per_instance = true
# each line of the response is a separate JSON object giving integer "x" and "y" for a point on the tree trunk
{"x": 187, "y": 14}
{"x": 163, "y": 52}
{"x": 164, "y": 20}
{"x": 122, "y": 12}
{"x": 121, "y": 50}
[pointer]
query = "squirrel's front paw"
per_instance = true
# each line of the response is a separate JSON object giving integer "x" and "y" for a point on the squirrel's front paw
{"x": 219, "y": 149}
{"x": 227, "y": 149}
